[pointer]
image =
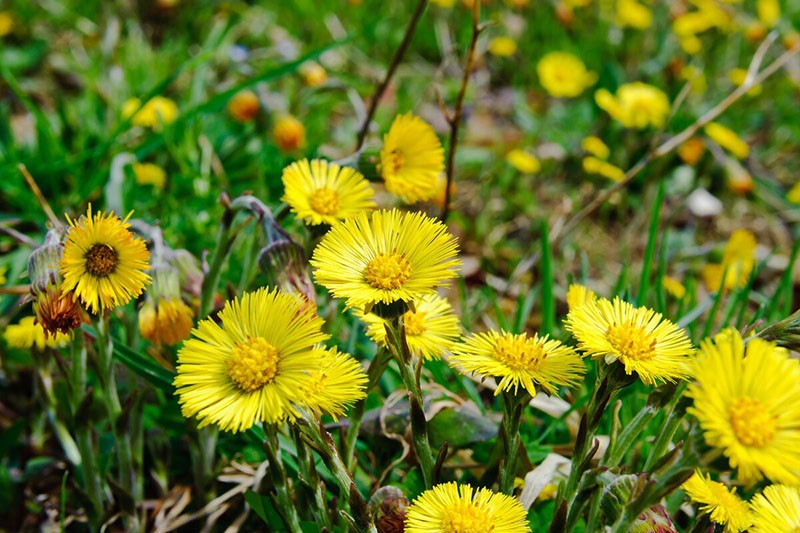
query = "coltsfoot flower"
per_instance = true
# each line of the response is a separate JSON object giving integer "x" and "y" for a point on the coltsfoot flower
{"x": 775, "y": 510}
{"x": 722, "y": 504}
{"x": 636, "y": 105}
{"x": 411, "y": 159}
{"x": 563, "y": 75}
{"x": 27, "y": 333}
{"x": 337, "y": 383}
{"x": 289, "y": 133}
{"x": 156, "y": 113}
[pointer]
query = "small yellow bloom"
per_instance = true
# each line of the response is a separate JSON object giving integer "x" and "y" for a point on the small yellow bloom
{"x": 578, "y": 295}
{"x": 549, "y": 492}
{"x": 636, "y": 105}
{"x": 150, "y": 174}
{"x": 6, "y": 23}
{"x": 523, "y": 161}
{"x": 314, "y": 74}
{"x": 793, "y": 195}
{"x": 738, "y": 260}
{"x": 165, "y": 321}
{"x": 769, "y": 12}
{"x": 738, "y": 76}
{"x": 592, "y": 165}
{"x": 595, "y": 146}
{"x": 692, "y": 151}
{"x": 724, "y": 506}
{"x": 29, "y": 333}
{"x": 563, "y": 75}
{"x": 289, "y": 133}
{"x": 631, "y": 13}
{"x": 244, "y": 106}
{"x": 337, "y": 383}
{"x": 776, "y": 510}
{"x": 673, "y": 287}
{"x": 411, "y": 159}
{"x": 156, "y": 113}
{"x": 791, "y": 39}
{"x": 691, "y": 44}
{"x": 503, "y": 46}
{"x": 755, "y": 32}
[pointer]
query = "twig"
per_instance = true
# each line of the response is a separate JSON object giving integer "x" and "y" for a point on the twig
{"x": 398, "y": 56}
{"x": 455, "y": 119}
{"x": 39, "y": 196}
{"x": 686, "y": 134}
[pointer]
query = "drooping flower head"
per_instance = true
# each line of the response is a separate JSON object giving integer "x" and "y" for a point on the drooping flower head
{"x": 564, "y": 75}
{"x": 639, "y": 338}
{"x": 748, "y": 404}
{"x": 636, "y": 105}
{"x": 325, "y": 193}
{"x": 431, "y": 327}
{"x": 454, "y": 508}
{"x": 104, "y": 264}
{"x": 532, "y": 362}
{"x": 337, "y": 383}
{"x": 253, "y": 365}
{"x": 165, "y": 318}
{"x": 411, "y": 159}
{"x": 385, "y": 257}
{"x": 27, "y": 333}
{"x": 721, "y": 503}
{"x": 777, "y": 509}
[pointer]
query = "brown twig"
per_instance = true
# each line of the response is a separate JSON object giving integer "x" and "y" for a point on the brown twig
{"x": 39, "y": 196}
{"x": 398, "y": 56}
{"x": 455, "y": 119}
{"x": 667, "y": 146}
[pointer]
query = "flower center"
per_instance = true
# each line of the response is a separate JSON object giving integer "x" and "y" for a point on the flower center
{"x": 464, "y": 517}
{"x": 752, "y": 422}
{"x": 632, "y": 341}
{"x": 325, "y": 201}
{"x": 253, "y": 364}
{"x": 414, "y": 323}
{"x": 518, "y": 352}
{"x": 101, "y": 260}
{"x": 388, "y": 271}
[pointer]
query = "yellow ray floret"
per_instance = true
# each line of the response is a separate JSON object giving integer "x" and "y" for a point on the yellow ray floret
{"x": 776, "y": 510}
{"x": 722, "y": 504}
{"x": 338, "y": 382}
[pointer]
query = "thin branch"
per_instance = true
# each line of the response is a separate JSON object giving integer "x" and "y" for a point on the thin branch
{"x": 455, "y": 119}
{"x": 398, "y": 56}
{"x": 39, "y": 196}
{"x": 672, "y": 143}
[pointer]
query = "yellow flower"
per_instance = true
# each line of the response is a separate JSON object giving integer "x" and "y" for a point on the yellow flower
{"x": 727, "y": 138}
{"x": 794, "y": 194}
{"x": 244, "y": 106}
{"x": 738, "y": 259}
{"x": 167, "y": 321}
{"x": 595, "y": 146}
{"x": 431, "y": 327}
{"x": 769, "y": 12}
{"x": 454, "y": 508}
{"x": 519, "y": 360}
{"x": 523, "y": 161}
{"x": 738, "y": 76}
{"x": 636, "y": 105}
{"x": 156, "y": 113}
{"x": 673, "y": 287}
{"x": 724, "y": 506}
{"x": 578, "y": 295}
{"x": 325, "y": 193}
{"x": 691, "y": 151}
{"x": 776, "y": 510}
{"x": 691, "y": 44}
{"x": 313, "y": 74}
{"x": 503, "y": 46}
{"x": 632, "y": 13}
{"x": 563, "y": 75}
{"x": 747, "y": 400}
{"x": 253, "y": 365}
{"x": 289, "y": 133}
{"x": 6, "y": 23}
{"x": 104, "y": 264}
{"x": 593, "y": 165}
{"x": 385, "y": 256}
{"x": 337, "y": 383}
{"x": 411, "y": 159}
{"x": 150, "y": 174}
{"x": 641, "y": 339}
{"x": 29, "y": 333}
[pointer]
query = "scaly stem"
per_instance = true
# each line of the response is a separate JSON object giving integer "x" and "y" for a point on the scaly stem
{"x": 278, "y": 473}
{"x": 376, "y": 368}
{"x": 512, "y": 414}
{"x": 310, "y": 478}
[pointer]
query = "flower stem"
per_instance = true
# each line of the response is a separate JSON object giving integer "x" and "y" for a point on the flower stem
{"x": 278, "y": 474}
{"x": 512, "y": 414}
{"x": 376, "y": 368}
{"x": 310, "y": 478}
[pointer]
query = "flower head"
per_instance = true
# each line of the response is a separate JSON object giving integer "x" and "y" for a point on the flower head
{"x": 578, "y": 295}
{"x": 411, "y": 159}
{"x": 325, "y": 193}
{"x": 337, "y": 383}
{"x": 775, "y": 510}
{"x": 104, "y": 264}
{"x": 289, "y": 133}
{"x": 454, "y": 508}
{"x": 533, "y": 362}
{"x": 253, "y": 365}
{"x": 156, "y": 113}
{"x": 636, "y": 105}
{"x": 56, "y": 310}
{"x": 150, "y": 174}
{"x": 244, "y": 106}
{"x": 386, "y": 257}
{"x": 502, "y": 46}
{"x": 524, "y": 161}
{"x": 724, "y": 506}
{"x": 630, "y": 13}
{"x": 748, "y": 404}
{"x": 28, "y": 333}
{"x": 164, "y": 318}
{"x": 563, "y": 75}
{"x": 431, "y": 327}
{"x": 313, "y": 74}
{"x": 641, "y": 339}
{"x": 738, "y": 261}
